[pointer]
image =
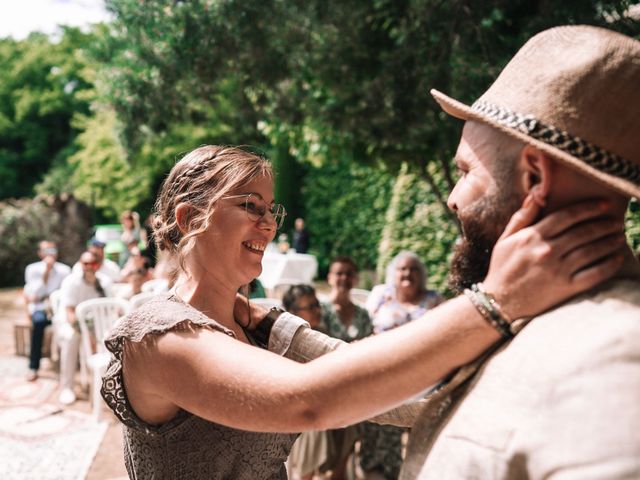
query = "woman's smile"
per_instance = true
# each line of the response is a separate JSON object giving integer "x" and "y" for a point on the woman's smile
{"x": 255, "y": 246}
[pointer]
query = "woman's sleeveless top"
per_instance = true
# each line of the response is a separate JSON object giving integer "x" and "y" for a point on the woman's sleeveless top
{"x": 187, "y": 446}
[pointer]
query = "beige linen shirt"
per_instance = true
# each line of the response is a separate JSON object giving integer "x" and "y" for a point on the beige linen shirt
{"x": 560, "y": 401}
{"x": 292, "y": 337}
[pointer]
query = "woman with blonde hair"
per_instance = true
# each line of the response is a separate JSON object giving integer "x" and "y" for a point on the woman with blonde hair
{"x": 207, "y": 388}
{"x": 131, "y": 229}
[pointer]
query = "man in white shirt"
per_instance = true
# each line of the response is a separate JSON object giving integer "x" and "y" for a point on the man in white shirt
{"x": 76, "y": 288}
{"x": 106, "y": 267}
{"x": 40, "y": 280}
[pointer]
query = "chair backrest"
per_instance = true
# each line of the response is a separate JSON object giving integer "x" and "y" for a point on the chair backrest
{"x": 359, "y": 296}
{"x": 140, "y": 298}
{"x": 96, "y": 318}
{"x": 118, "y": 288}
{"x": 54, "y": 301}
{"x": 156, "y": 285}
{"x": 267, "y": 302}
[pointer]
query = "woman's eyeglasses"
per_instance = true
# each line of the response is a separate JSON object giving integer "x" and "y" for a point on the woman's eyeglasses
{"x": 257, "y": 208}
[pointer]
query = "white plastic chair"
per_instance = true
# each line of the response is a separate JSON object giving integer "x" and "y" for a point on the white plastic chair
{"x": 156, "y": 285}
{"x": 359, "y": 296}
{"x": 118, "y": 288}
{"x": 140, "y": 298}
{"x": 54, "y": 304}
{"x": 96, "y": 318}
{"x": 266, "y": 302}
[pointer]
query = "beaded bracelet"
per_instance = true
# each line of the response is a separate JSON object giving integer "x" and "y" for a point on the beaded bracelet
{"x": 489, "y": 308}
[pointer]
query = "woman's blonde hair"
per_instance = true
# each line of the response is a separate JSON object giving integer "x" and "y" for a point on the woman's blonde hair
{"x": 200, "y": 179}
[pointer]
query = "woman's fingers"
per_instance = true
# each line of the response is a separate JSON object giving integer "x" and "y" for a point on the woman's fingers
{"x": 593, "y": 275}
{"x": 565, "y": 253}
{"x": 589, "y": 254}
{"x": 586, "y": 232}
{"x": 557, "y": 222}
{"x": 522, "y": 218}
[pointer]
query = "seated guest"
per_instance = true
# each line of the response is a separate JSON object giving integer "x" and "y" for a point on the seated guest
{"x": 76, "y": 288}
{"x": 310, "y": 453}
{"x": 124, "y": 256}
{"x": 106, "y": 267}
{"x": 343, "y": 319}
{"x": 41, "y": 279}
{"x": 136, "y": 261}
{"x": 134, "y": 280}
{"x": 403, "y": 298}
{"x": 301, "y": 300}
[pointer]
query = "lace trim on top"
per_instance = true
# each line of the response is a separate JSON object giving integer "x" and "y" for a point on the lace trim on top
{"x": 157, "y": 316}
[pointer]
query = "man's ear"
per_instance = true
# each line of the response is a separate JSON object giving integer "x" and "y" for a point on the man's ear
{"x": 184, "y": 212}
{"x": 537, "y": 172}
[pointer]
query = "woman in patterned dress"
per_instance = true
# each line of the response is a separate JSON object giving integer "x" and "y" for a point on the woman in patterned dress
{"x": 402, "y": 299}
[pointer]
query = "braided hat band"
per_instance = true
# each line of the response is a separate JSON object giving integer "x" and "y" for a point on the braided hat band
{"x": 590, "y": 154}
{"x": 574, "y": 93}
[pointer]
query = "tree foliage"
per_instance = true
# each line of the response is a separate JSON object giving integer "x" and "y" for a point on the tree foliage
{"x": 416, "y": 221}
{"x": 24, "y": 222}
{"x": 42, "y": 85}
{"x": 354, "y": 74}
{"x": 345, "y": 206}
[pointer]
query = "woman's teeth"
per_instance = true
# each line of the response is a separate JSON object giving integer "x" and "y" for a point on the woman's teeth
{"x": 256, "y": 247}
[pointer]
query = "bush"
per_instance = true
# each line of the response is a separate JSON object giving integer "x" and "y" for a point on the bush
{"x": 25, "y": 222}
{"x": 345, "y": 205}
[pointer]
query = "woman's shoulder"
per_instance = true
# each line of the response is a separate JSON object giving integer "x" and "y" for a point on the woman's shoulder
{"x": 163, "y": 313}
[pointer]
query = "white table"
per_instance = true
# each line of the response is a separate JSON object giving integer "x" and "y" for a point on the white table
{"x": 287, "y": 268}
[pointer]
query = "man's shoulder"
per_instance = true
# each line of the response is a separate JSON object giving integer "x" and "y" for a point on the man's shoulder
{"x": 595, "y": 328}
{"x": 72, "y": 280}
{"x": 616, "y": 300}
{"x": 33, "y": 267}
{"x": 62, "y": 268}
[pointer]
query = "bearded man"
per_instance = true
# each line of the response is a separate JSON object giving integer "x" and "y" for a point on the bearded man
{"x": 562, "y": 399}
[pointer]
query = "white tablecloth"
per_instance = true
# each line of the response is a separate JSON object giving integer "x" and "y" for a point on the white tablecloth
{"x": 287, "y": 268}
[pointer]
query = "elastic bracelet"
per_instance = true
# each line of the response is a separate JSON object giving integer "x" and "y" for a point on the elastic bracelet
{"x": 489, "y": 308}
{"x": 262, "y": 332}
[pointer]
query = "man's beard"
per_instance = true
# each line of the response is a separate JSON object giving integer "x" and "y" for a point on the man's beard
{"x": 482, "y": 223}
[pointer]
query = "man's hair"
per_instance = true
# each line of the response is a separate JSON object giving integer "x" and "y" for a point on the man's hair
{"x": 344, "y": 259}
{"x": 49, "y": 243}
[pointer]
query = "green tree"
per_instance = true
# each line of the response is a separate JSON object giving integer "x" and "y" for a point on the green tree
{"x": 345, "y": 205}
{"x": 357, "y": 74}
{"x": 415, "y": 221}
{"x": 42, "y": 85}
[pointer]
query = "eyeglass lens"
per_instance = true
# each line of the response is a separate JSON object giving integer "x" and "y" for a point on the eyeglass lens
{"x": 257, "y": 208}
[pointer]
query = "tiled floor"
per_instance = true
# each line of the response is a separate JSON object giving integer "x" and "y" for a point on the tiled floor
{"x": 108, "y": 463}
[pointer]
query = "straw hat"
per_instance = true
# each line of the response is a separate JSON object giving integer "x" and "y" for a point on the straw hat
{"x": 574, "y": 93}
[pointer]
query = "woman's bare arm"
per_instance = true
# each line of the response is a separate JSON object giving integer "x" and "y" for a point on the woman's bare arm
{"x": 231, "y": 383}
